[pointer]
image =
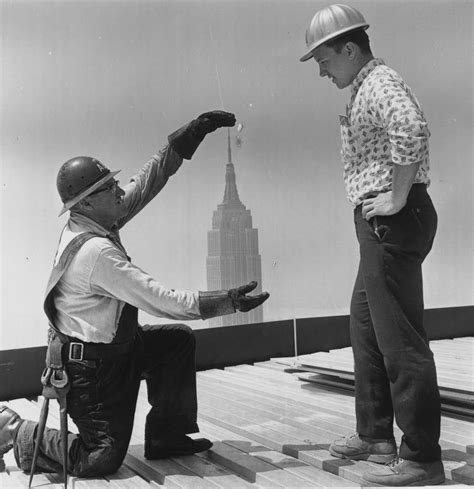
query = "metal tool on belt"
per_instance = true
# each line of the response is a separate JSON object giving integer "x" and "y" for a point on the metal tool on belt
{"x": 55, "y": 386}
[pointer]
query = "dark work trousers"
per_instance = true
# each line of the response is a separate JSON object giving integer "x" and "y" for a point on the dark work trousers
{"x": 394, "y": 368}
{"x": 103, "y": 397}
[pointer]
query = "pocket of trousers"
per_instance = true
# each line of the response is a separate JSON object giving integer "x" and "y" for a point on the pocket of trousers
{"x": 381, "y": 229}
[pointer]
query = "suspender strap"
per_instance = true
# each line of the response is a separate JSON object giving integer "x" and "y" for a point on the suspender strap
{"x": 68, "y": 254}
{"x": 54, "y": 378}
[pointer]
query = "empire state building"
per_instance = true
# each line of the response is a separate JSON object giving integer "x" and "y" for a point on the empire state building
{"x": 232, "y": 244}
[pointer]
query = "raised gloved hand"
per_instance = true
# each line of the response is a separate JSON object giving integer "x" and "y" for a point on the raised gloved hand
{"x": 186, "y": 139}
{"x": 210, "y": 121}
{"x": 222, "y": 302}
{"x": 245, "y": 303}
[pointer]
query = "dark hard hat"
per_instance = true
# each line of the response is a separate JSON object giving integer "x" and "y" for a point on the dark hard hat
{"x": 79, "y": 177}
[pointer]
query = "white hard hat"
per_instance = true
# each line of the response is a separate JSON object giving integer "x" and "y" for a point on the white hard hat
{"x": 331, "y": 22}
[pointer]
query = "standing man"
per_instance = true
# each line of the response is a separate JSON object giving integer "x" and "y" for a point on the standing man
{"x": 386, "y": 164}
{"x": 97, "y": 353}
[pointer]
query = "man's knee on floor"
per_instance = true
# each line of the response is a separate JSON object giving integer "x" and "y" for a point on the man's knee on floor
{"x": 101, "y": 463}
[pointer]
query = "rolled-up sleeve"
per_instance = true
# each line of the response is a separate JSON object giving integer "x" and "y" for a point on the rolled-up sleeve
{"x": 114, "y": 276}
{"x": 395, "y": 107}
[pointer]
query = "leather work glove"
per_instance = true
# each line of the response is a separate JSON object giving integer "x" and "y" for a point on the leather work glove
{"x": 222, "y": 302}
{"x": 186, "y": 139}
{"x": 245, "y": 303}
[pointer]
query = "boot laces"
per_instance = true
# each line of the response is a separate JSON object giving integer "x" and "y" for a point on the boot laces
{"x": 395, "y": 462}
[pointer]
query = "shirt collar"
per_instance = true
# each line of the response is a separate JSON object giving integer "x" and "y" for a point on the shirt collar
{"x": 362, "y": 75}
{"x": 79, "y": 222}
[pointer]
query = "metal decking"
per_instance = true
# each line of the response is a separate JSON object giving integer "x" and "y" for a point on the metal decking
{"x": 270, "y": 429}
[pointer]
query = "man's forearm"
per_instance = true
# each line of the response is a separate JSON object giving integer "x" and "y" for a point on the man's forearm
{"x": 402, "y": 180}
{"x": 149, "y": 181}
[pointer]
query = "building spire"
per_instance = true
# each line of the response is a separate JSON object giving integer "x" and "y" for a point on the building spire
{"x": 231, "y": 195}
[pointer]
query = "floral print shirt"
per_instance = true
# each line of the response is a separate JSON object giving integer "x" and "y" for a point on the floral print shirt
{"x": 384, "y": 125}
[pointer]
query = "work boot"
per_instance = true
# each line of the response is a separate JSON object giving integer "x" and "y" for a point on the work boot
{"x": 402, "y": 472}
{"x": 174, "y": 446}
{"x": 355, "y": 448}
{"x": 9, "y": 424}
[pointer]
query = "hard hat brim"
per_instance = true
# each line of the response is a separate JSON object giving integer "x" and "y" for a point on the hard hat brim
{"x": 88, "y": 191}
{"x": 333, "y": 35}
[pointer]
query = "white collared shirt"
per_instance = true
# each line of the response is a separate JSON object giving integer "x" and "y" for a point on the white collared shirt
{"x": 100, "y": 280}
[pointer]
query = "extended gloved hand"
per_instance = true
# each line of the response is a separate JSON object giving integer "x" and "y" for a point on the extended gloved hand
{"x": 221, "y": 302}
{"x": 245, "y": 303}
{"x": 186, "y": 140}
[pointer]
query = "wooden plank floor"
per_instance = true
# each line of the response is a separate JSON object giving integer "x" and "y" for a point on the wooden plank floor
{"x": 454, "y": 361}
{"x": 269, "y": 429}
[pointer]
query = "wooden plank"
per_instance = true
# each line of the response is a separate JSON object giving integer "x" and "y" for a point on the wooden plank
{"x": 232, "y": 438}
{"x": 285, "y": 385}
{"x": 283, "y": 367}
{"x": 241, "y": 426}
{"x": 347, "y": 469}
{"x": 39, "y": 480}
{"x": 454, "y": 364}
{"x": 272, "y": 434}
{"x": 211, "y": 472}
{"x": 287, "y": 415}
{"x": 455, "y": 434}
{"x": 217, "y": 474}
{"x": 313, "y": 475}
{"x": 334, "y": 403}
{"x": 264, "y": 398}
{"x": 267, "y": 412}
{"x": 165, "y": 471}
{"x": 126, "y": 478}
{"x": 287, "y": 407}
{"x": 253, "y": 469}
{"x": 454, "y": 378}
{"x": 296, "y": 447}
{"x": 276, "y": 458}
{"x": 452, "y": 401}
{"x": 459, "y": 466}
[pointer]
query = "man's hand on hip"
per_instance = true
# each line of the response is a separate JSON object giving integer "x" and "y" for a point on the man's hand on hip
{"x": 382, "y": 204}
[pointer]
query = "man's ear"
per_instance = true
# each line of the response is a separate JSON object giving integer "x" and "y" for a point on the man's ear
{"x": 84, "y": 204}
{"x": 350, "y": 49}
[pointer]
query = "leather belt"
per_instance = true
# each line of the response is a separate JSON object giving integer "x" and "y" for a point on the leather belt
{"x": 79, "y": 350}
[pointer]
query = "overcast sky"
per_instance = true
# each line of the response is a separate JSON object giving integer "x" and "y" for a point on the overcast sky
{"x": 112, "y": 79}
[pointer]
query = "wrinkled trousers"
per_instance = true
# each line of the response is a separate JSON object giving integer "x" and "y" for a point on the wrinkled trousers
{"x": 395, "y": 373}
{"x": 102, "y": 402}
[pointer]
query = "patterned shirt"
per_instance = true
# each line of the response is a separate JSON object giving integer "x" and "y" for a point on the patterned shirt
{"x": 384, "y": 125}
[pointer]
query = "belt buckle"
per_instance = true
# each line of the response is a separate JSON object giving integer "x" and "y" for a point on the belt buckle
{"x": 74, "y": 349}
